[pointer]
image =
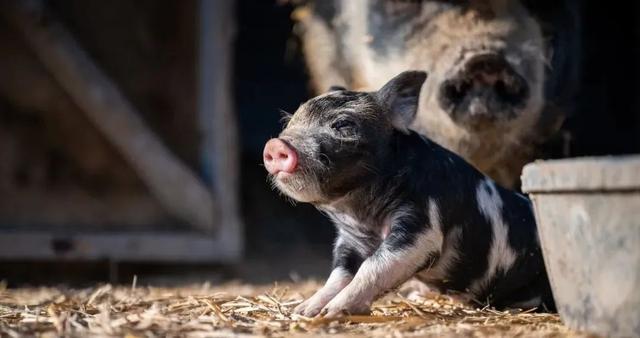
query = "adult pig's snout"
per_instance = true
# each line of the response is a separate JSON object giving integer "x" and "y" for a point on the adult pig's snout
{"x": 486, "y": 89}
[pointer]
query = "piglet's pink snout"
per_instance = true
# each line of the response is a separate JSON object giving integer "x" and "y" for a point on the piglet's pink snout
{"x": 278, "y": 157}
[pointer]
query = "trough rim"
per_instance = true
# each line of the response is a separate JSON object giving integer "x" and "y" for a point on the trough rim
{"x": 600, "y": 174}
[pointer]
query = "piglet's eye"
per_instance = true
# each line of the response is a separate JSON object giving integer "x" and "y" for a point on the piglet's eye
{"x": 344, "y": 127}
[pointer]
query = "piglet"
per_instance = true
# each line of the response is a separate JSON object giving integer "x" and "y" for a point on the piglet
{"x": 403, "y": 205}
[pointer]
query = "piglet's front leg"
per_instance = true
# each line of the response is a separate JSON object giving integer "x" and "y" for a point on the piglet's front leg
{"x": 376, "y": 275}
{"x": 346, "y": 261}
{"x": 337, "y": 281}
{"x": 394, "y": 262}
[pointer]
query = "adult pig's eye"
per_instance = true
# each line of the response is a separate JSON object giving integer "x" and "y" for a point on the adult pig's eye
{"x": 344, "y": 127}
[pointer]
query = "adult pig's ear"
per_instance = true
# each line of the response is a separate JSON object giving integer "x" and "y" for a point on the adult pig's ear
{"x": 400, "y": 97}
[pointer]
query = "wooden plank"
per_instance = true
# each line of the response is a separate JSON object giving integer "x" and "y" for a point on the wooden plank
{"x": 118, "y": 246}
{"x": 171, "y": 182}
{"x": 220, "y": 148}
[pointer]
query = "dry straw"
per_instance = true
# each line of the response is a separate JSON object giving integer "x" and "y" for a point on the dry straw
{"x": 240, "y": 310}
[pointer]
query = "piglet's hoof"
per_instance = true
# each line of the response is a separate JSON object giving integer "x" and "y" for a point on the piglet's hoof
{"x": 309, "y": 308}
{"x": 333, "y": 313}
{"x": 336, "y": 309}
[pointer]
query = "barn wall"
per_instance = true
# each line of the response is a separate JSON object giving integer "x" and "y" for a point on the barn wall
{"x": 57, "y": 169}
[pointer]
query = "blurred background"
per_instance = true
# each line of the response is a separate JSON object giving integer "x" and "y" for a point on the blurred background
{"x": 131, "y": 134}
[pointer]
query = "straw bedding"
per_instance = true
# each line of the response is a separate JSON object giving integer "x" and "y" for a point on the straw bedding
{"x": 240, "y": 310}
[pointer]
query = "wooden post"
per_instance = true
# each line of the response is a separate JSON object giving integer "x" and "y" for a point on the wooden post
{"x": 217, "y": 117}
{"x": 118, "y": 246}
{"x": 177, "y": 188}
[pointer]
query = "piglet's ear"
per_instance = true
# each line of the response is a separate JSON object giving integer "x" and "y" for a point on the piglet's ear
{"x": 335, "y": 88}
{"x": 400, "y": 96}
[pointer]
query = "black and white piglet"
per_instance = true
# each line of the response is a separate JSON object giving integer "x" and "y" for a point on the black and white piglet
{"x": 403, "y": 205}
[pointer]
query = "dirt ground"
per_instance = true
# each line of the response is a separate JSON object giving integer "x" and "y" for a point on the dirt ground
{"x": 241, "y": 310}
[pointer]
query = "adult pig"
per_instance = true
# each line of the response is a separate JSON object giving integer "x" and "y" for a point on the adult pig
{"x": 486, "y": 59}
